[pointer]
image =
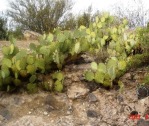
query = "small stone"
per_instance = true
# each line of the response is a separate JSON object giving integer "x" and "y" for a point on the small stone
{"x": 52, "y": 103}
{"x": 5, "y": 113}
{"x": 45, "y": 113}
{"x": 29, "y": 112}
{"x": 120, "y": 98}
{"x": 69, "y": 110}
{"x": 92, "y": 98}
{"x": 134, "y": 113}
{"x": 128, "y": 76}
{"x": 142, "y": 122}
{"x": 142, "y": 91}
{"x": 69, "y": 76}
{"x": 75, "y": 79}
{"x": 92, "y": 114}
{"x": 1, "y": 118}
{"x": 76, "y": 91}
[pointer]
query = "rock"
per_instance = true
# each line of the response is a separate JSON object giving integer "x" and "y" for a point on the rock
{"x": 5, "y": 113}
{"x": 76, "y": 79}
{"x": 142, "y": 105}
{"x": 142, "y": 122}
{"x": 134, "y": 113}
{"x": 69, "y": 109}
{"x": 142, "y": 91}
{"x": 65, "y": 121}
{"x": 128, "y": 76}
{"x": 147, "y": 112}
{"x": 92, "y": 97}
{"x": 144, "y": 101}
{"x": 29, "y": 112}
{"x": 92, "y": 114}
{"x": 76, "y": 91}
{"x": 52, "y": 103}
{"x": 45, "y": 113}
{"x": 31, "y": 35}
{"x": 18, "y": 101}
{"x": 1, "y": 119}
{"x": 120, "y": 98}
{"x": 29, "y": 121}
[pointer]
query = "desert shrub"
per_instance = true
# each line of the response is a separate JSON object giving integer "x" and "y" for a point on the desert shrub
{"x": 17, "y": 34}
{"x": 143, "y": 35}
{"x": 3, "y": 28}
{"x": 39, "y": 16}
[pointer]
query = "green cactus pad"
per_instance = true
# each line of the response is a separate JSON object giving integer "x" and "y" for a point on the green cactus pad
{"x": 94, "y": 66}
{"x": 77, "y": 47}
{"x": 102, "y": 67}
{"x": 58, "y": 86}
{"x": 122, "y": 65}
{"x": 6, "y": 62}
{"x": 5, "y": 73}
{"x": 30, "y": 59}
{"x": 48, "y": 85}
{"x": 112, "y": 72}
{"x": 15, "y": 51}
{"x": 31, "y": 69}
{"x": 17, "y": 82}
{"x": 21, "y": 54}
{"x": 6, "y": 50}
{"x": 40, "y": 63}
{"x": 32, "y": 78}
{"x": 23, "y": 73}
{"x": 89, "y": 75}
{"x": 107, "y": 83}
{"x": 32, "y": 87}
{"x": 99, "y": 77}
{"x": 50, "y": 37}
{"x": 61, "y": 37}
{"x": 11, "y": 48}
{"x": 84, "y": 46}
{"x": 58, "y": 75}
{"x": 21, "y": 64}
{"x": 32, "y": 46}
{"x": 112, "y": 62}
{"x": 44, "y": 50}
{"x": 7, "y": 81}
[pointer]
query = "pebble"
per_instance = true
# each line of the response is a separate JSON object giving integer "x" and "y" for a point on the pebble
{"x": 5, "y": 113}
{"x": 120, "y": 98}
{"x": 92, "y": 97}
{"x": 142, "y": 122}
{"x": 76, "y": 91}
{"x": 29, "y": 112}
{"x": 45, "y": 113}
{"x": 92, "y": 114}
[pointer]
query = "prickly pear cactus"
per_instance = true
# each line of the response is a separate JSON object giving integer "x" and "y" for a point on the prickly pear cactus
{"x": 20, "y": 67}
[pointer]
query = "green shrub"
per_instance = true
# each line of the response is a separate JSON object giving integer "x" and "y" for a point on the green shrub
{"x": 3, "y": 29}
{"x": 17, "y": 34}
{"x": 143, "y": 35}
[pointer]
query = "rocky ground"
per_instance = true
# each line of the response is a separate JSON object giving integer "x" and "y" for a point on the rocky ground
{"x": 81, "y": 103}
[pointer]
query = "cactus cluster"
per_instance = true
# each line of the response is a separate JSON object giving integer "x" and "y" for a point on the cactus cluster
{"x": 105, "y": 73}
{"x": 20, "y": 68}
{"x": 54, "y": 82}
{"x": 117, "y": 41}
